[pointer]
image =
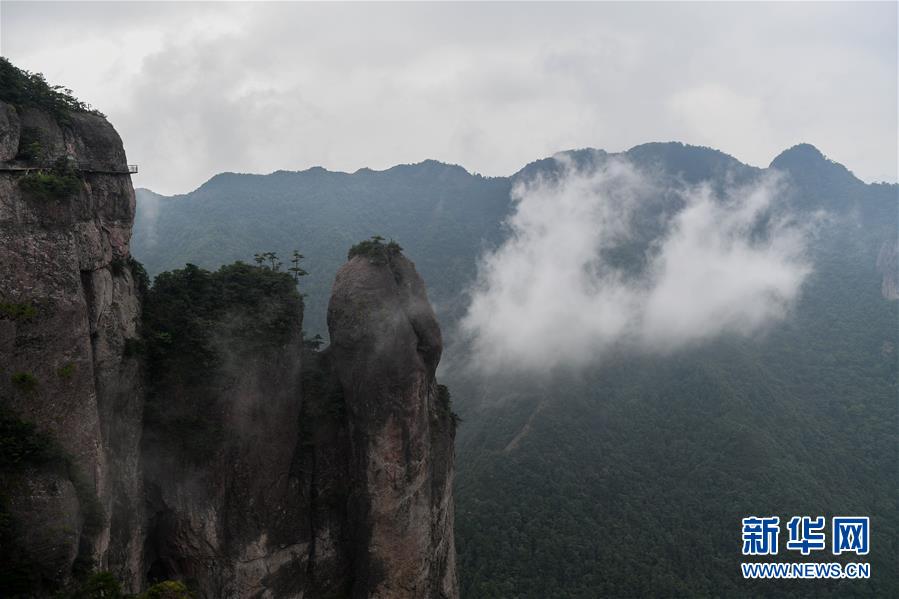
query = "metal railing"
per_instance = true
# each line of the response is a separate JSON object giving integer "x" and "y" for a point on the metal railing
{"x": 130, "y": 170}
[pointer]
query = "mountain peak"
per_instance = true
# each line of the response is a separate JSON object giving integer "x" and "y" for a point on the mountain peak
{"x": 432, "y": 166}
{"x": 808, "y": 161}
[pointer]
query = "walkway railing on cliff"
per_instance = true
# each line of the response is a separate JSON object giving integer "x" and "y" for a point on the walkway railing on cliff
{"x": 130, "y": 169}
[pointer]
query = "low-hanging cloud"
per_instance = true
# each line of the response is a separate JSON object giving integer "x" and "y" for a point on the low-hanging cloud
{"x": 608, "y": 257}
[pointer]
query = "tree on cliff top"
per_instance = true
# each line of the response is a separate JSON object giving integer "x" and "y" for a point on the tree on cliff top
{"x": 375, "y": 249}
{"x": 23, "y": 88}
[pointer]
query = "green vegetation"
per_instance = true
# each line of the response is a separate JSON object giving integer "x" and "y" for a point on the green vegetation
{"x": 139, "y": 274}
{"x": 31, "y": 145}
{"x": 117, "y": 266}
{"x": 168, "y": 589}
{"x": 630, "y": 481}
{"x": 442, "y": 226}
{"x": 315, "y": 343}
{"x": 17, "y": 311}
{"x": 100, "y": 585}
{"x": 268, "y": 260}
{"x": 55, "y": 184}
{"x": 296, "y": 269}
{"x": 193, "y": 319}
{"x": 25, "y": 382}
{"x": 103, "y": 585}
{"x": 66, "y": 371}
{"x": 25, "y": 89}
{"x": 323, "y": 400}
{"x": 445, "y": 405}
{"x": 22, "y": 445}
{"x": 24, "y": 448}
{"x": 633, "y": 481}
{"x": 375, "y": 249}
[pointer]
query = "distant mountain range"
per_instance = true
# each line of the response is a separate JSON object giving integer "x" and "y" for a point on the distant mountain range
{"x": 441, "y": 214}
{"x": 630, "y": 478}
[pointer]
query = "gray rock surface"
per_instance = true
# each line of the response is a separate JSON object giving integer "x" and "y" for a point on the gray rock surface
{"x": 386, "y": 344}
{"x": 235, "y": 518}
{"x": 9, "y": 132}
{"x": 68, "y": 258}
{"x": 333, "y": 479}
{"x": 311, "y": 474}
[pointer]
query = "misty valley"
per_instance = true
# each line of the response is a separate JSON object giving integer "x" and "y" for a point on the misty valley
{"x": 575, "y": 381}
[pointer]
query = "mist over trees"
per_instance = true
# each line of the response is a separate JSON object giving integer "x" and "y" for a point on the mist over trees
{"x": 628, "y": 475}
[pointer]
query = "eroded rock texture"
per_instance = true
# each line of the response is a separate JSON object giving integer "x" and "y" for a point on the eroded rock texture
{"x": 386, "y": 344}
{"x": 227, "y": 508}
{"x": 187, "y": 432}
{"x": 70, "y": 306}
{"x": 334, "y": 479}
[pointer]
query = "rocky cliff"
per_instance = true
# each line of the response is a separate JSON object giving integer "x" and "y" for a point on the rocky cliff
{"x": 386, "y": 344}
{"x": 266, "y": 478}
{"x": 187, "y": 431}
{"x": 68, "y": 306}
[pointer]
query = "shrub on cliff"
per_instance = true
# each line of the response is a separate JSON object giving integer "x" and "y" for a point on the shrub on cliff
{"x": 24, "y": 448}
{"x": 168, "y": 589}
{"x": 17, "y": 311}
{"x": 101, "y": 585}
{"x": 31, "y": 145}
{"x": 375, "y": 249}
{"x": 25, "y": 382}
{"x": 66, "y": 371}
{"x": 55, "y": 184}
{"x": 104, "y": 585}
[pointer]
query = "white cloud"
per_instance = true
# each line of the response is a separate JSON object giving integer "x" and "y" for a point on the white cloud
{"x": 552, "y": 294}
{"x": 199, "y": 88}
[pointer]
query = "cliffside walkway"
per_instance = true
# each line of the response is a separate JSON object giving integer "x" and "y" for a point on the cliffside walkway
{"x": 131, "y": 170}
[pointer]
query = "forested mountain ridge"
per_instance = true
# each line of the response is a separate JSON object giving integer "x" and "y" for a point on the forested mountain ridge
{"x": 443, "y": 213}
{"x": 446, "y": 212}
{"x": 629, "y": 478}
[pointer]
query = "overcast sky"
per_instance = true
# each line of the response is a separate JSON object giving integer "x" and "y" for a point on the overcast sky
{"x": 196, "y": 89}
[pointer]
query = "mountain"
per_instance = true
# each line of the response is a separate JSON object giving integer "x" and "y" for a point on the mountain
{"x": 443, "y": 214}
{"x": 183, "y": 439}
{"x": 630, "y": 477}
{"x": 267, "y": 471}
{"x": 447, "y": 214}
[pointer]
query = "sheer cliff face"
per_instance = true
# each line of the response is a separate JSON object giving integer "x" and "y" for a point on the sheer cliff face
{"x": 227, "y": 509}
{"x": 185, "y": 432}
{"x": 63, "y": 360}
{"x": 386, "y": 344}
{"x": 310, "y": 474}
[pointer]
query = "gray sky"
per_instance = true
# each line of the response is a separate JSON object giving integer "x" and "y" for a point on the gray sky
{"x": 195, "y": 89}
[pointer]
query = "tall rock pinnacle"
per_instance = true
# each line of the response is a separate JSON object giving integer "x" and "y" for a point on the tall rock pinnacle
{"x": 386, "y": 344}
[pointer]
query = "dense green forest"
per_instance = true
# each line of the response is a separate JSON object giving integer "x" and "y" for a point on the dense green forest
{"x": 632, "y": 481}
{"x": 629, "y": 478}
{"x": 440, "y": 212}
{"x": 193, "y": 319}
